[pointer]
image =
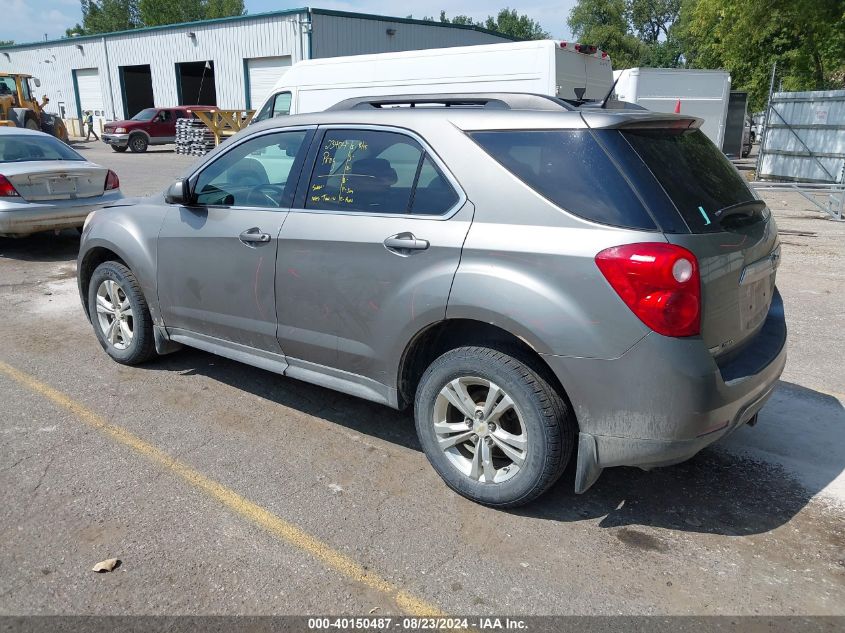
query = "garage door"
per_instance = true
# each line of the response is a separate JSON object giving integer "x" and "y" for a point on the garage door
{"x": 90, "y": 93}
{"x": 263, "y": 73}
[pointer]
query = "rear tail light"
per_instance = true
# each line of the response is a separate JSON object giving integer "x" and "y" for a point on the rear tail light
{"x": 659, "y": 282}
{"x": 112, "y": 181}
{"x": 7, "y": 190}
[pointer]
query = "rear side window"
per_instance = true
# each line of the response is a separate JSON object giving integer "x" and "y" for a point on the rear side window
{"x": 698, "y": 178}
{"x": 569, "y": 168}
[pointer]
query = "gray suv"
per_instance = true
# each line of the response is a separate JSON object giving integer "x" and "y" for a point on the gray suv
{"x": 540, "y": 282}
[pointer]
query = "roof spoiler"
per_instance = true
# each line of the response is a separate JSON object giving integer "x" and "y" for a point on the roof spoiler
{"x": 638, "y": 120}
{"x": 487, "y": 100}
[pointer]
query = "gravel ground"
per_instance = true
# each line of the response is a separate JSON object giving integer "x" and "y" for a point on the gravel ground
{"x": 751, "y": 526}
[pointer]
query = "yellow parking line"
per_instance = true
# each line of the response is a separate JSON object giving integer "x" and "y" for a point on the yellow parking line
{"x": 277, "y": 526}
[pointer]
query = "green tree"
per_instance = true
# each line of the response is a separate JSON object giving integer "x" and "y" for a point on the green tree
{"x": 605, "y": 23}
{"x": 158, "y": 12}
{"x": 507, "y": 21}
{"x": 223, "y": 8}
{"x": 6, "y": 43}
{"x": 104, "y": 16}
{"x": 805, "y": 37}
{"x": 652, "y": 20}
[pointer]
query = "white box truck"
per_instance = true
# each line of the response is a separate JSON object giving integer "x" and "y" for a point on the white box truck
{"x": 701, "y": 93}
{"x": 548, "y": 67}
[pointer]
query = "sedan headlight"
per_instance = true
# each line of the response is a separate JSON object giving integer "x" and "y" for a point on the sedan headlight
{"x": 120, "y": 130}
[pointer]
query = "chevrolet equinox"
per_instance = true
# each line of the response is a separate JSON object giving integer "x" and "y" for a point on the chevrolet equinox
{"x": 541, "y": 282}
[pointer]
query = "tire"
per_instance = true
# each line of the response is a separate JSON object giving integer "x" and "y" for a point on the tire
{"x": 115, "y": 148}
{"x": 32, "y": 124}
{"x": 127, "y": 350}
{"x": 138, "y": 143}
{"x": 539, "y": 421}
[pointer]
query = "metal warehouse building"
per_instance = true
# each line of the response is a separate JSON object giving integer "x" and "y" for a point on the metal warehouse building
{"x": 228, "y": 62}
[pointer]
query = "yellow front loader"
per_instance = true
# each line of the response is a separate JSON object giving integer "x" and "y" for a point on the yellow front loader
{"x": 19, "y": 108}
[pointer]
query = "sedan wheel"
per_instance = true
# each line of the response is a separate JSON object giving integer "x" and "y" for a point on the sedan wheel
{"x": 480, "y": 430}
{"x": 114, "y": 314}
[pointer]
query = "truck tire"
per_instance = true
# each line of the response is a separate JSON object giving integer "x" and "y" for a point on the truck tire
{"x": 494, "y": 429}
{"x": 138, "y": 143}
{"x": 32, "y": 124}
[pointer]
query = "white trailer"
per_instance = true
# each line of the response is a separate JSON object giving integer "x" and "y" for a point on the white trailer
{"x": 700, "y": 93}
{"x": 549, "y": 67}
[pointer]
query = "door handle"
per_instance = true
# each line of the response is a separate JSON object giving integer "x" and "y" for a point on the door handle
{"x": 254, "y": 235}
{"x": 405, "y": 242}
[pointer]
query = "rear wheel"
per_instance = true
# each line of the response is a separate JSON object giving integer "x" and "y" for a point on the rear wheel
{"x": 492, "y": 428}
{"x": 138, "y": 143}
{"x": 120, "y": 314}
{"x": 117, "y": 148}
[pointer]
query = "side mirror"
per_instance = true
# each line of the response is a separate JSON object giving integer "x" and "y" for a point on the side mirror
{"x": 179, "y": 192}
{"x": 37, "y": 82}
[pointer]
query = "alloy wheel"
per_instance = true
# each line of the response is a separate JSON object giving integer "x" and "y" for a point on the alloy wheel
{"x": 114, "y": 314}
{"x": 480, "y": 430}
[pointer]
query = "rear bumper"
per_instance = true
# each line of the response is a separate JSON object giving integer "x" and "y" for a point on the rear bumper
{"x": 666, "y": 399}
{"x": 23, "y": 218}
{"x": 118, "y": 140}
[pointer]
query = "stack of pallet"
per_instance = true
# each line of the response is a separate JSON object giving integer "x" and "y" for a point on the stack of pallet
{"x": 193, "y": 137}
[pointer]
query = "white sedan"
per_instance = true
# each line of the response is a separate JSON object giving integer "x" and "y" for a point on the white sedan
{"x": 46, "y": 185}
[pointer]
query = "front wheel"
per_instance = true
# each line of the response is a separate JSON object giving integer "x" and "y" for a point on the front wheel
{"x": 494, "y": 429}
{"x": 120, "y": 315}
{"x": 32, "y": 124}
{"x": 138, "y": 143}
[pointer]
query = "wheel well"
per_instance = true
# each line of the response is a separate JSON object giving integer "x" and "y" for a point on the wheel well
{"x": 450, "y": 334}
{"x": 92, "y": 259}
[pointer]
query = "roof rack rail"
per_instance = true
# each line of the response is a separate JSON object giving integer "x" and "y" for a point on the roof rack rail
{"x": 487, "y": 100}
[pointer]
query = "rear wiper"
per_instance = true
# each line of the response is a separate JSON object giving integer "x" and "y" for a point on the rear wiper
{"x": 746, "y": 208}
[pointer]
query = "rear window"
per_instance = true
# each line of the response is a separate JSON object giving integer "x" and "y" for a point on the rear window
{"x": 569, "y": 168}
{"x": 27, "y": 148}
{"x": 698, "y": 178}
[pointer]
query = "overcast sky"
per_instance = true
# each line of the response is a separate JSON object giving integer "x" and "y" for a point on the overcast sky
{"x": 29, "y": 20}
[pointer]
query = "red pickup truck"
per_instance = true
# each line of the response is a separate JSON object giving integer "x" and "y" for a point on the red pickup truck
{"x": 151, "y": 126}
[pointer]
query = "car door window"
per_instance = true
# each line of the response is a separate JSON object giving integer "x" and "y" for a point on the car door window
{"x": 364, "y": 170}
{"x": 165, "y": 115}
{"x": 277, "y": 105}
{"x": 256, "y": 173}
{"x": 378, "y": 172}
{"x": 281, "y": 104}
